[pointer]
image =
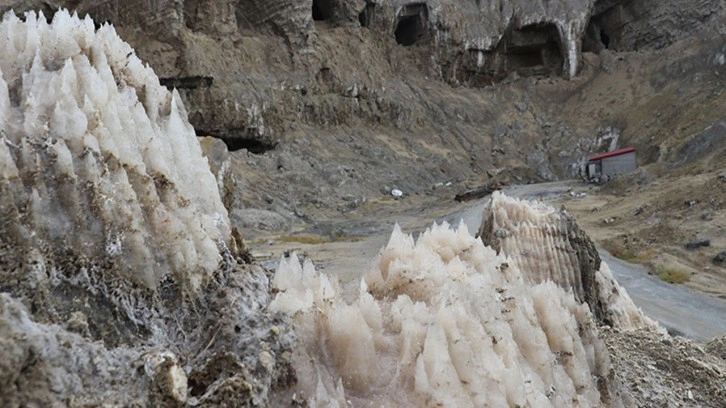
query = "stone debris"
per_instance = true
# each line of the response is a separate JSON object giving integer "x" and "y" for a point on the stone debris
{"x": 720, "y": 258}
{"x": 698, "y": 243}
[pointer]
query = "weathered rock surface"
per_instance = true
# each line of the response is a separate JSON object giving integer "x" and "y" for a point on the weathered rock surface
{"x": 296, "y": 66}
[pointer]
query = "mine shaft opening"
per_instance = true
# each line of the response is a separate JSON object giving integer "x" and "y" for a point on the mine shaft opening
{"x": 322, "y": 10}
{"x": 412, "y": 23}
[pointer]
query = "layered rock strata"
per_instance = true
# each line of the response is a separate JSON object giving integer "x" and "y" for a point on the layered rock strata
{"x": 548, "y": 245}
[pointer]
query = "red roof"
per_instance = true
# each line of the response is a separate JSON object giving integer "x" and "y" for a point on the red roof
{"x": 611, "y": 154}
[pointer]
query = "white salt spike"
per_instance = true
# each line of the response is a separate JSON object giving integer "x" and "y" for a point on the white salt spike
{"x": 4, "y": 103}
{"x": 445, "y": 321}
{"x": 116, "y": 168}
{"x": 8, "y": 171}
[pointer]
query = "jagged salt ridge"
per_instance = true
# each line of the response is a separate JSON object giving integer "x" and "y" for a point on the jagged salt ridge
{"x": 548, "y": 245}
{"x": 444, "y": 321}
{"x": 97, "y": 159}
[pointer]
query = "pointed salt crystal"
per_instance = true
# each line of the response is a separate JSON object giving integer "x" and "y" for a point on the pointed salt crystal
{"x": 326, "y": 288}
{"x": 363, "y": 288}
{"x": 86, "y": 114}
{"x": 308, "y": 272}
{"x": 8, "y": 170}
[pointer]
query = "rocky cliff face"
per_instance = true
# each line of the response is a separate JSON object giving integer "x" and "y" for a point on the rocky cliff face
{"x": 249, "y": 69}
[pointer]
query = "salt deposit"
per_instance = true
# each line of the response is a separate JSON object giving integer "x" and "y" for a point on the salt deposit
{"x": 115, "y": 248}
{"x": 446, "y": 321}
{"x": 547, "y": 245}
{"x": 98, "y": 159}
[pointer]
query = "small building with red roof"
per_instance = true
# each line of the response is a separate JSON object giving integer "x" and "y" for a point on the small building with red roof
{"x": 611, "y": 163}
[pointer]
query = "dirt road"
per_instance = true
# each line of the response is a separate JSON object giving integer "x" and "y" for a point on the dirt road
{"x": 677, "y": 308}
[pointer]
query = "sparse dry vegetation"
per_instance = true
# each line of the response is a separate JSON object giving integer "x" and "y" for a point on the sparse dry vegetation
{"x": 309, "y": 239}
{"x": 672, "y": 275}
{"x": 629, "y": 254}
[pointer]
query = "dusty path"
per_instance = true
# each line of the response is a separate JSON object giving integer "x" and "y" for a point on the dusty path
{"x": 678, "y": 309}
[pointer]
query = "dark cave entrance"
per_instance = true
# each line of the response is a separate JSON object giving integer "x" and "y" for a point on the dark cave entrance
{"x": 366, "y": 16}
{"x": 322, "y": 10}
{"x": 605, "y": 28}
{"x": 247, "y": 140}
{"x": 252, "y": 145}
{"x": 412, "y": 24}
{"x": 534, "y": 50}
{"x": 604, "y": 39}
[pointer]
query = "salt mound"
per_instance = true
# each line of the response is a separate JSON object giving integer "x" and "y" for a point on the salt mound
{"x": 444, "y": 321}
{"x": 548, "y": 245}
{"x": 98, "y": 160}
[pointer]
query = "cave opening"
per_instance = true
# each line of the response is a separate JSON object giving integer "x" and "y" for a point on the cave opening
{"x": 604, "y": 31}
{"x": 366, "y": 16}
{"x": 190, "y": 82}
{"x": 411, "y": 27}
{"x": 322, "y": 10}
{"x": 605, "y": 39}
{"x": 246, "y": 139}
{"x": 534, "y": 50}
{"x": 253, "y": 146}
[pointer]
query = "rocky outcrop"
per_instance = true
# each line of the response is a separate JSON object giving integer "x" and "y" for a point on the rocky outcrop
{"x": 633, "y": 25}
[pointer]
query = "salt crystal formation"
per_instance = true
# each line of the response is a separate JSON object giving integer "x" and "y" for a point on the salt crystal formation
{"x": 118, "y": 281}
{"x": 548, "y": 245}
{"x": 98, "y": 159}
{"x": 447, "y": 321}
